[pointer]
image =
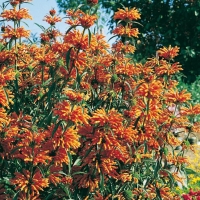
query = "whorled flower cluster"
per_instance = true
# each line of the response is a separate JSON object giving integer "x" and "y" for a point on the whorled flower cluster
{"x": 80, "y": 120}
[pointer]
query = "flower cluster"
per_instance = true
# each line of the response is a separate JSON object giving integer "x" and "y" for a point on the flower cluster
{"x": 81, "y": 120}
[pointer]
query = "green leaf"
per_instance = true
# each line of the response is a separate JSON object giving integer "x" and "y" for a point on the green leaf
{"x": 158, "y": 194}
{"x": 51, "y": 89}
{"x": 170, "y": 176}
{"x": 75, "y": 173}
{"x": 42, "y": 27}
{"x": 68, "y": 57}
{"x": 65, "y": 189}
{"x": 156, "y": 169}
{"x": 49, "y": 197}
{"x": 128, "y": 194}
{"x": 101, "y": 182}
{"x": 74, "y": 26}
{"x": 70, "y": 161}
{"x": 56, "y": 127}
{"x": 15, "y": 197}
{"x": 89, "y": 36}
{"x": 112, "y": 37}
{"x": 190, "y": 171}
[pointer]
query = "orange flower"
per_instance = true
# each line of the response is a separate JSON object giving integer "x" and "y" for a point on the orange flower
{"x": 87, "y": 21}
{"x": 14, "y": 14}
{"x": 126, "y": 68}
{"x": 52, "y": 20}
{"x": 177, "y": 97}
{"x": 61, "y": 157}
{"x": 92, "y": 2}
{"x": 3, "y": 118}
{"x": 6, "y": 75}
{"x": 79, "y": 115}
{"x": 15, "y": 33}
{"x": 168, "y": 53}
{"x": 152, "y": 89}
{"x": 125, "y": 177}
{"x": 74, "y": 14}
{"x": 123, "y": 48}
{"x": 126, "y": 31}
{"x": 86, "y": 181}
{"x": 24, "y": 182}
{"x": 73, "y": 96}
{"x": 16, "y": 2}
{"x": 54, "y": 174}
{"x": 63, "y": 110}
{"x": 76, "y": 39}
{"x": 71, "y": 138}
{"x": 52, "y": 12}
{"x": 99, "y": 117}
{"x": 167, "y": 68}
{"x": 192, "y": 110}
{"x": 127, "y": 15}
{"x": 4, "y": 101}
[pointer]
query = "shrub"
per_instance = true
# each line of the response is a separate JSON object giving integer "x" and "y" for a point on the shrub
{"x": 80, "y": 120}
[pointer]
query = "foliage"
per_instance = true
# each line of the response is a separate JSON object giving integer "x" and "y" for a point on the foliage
{"x": 164, "y": 23}
{"x": 81, "y": 120}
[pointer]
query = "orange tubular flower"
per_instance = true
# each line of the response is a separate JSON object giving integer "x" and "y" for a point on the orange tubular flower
{"x": 87, "y": 21}
{"x": 126, "y": 31}
{"x": 61, "y": 157}
{"x": 73, "y": 96}
{"x": 3, "y": 118}
{"x": 15, "y": 15}
{"x": 99, "y": 117}
{"x": 79, "y": 116}
{"x": 25, "y": 182}
{"x": 92, "y": 2}
{"x": 150, "y": 90}
{"x": 15, "y": 33}
{"x": 71, "y": 138}
{"x": 52, "y": 20}
{"x": 192, "y": 110}
{"x": 76, "y": 39}
{"x": 6, "y": 75}
{"x": 127, "y": 15}
{"x": 3, "y": 97}
{"x": 177, "y": 97}
{"x": 168, "y": 53}
{"x": 166, "y": 68}
{"x": 124, "y": 48}
{"x": 54, "y": 175}
{"x": 16, "y": 2}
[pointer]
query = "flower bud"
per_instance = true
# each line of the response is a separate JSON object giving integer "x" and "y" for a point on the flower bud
{"x": 52, "y": 12}
{"x": 92, "y": 2}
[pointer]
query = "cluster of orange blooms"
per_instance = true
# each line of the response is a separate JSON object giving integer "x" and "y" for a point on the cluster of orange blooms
{"x": 80, "y": 120}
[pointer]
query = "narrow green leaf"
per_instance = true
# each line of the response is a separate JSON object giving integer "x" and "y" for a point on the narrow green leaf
{"x": 101, "y": 182}
{"x": 190, "y": 171}
{"x": 112, "y": 37}
{"x": 70, "y": 161}
{"x": 68, "y": 58}
{"x": 49, "y": 197}
{"x": 89, "y": 36}
{"x": 74, "y": 26}
{"x": 56, "y": 127}
{"x": 40, "y": 26}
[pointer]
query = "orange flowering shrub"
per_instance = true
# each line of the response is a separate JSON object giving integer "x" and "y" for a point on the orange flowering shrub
{"x": 80, "y": 120}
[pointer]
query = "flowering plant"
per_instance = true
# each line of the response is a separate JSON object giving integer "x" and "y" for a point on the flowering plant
{"x": 80, "y": 120}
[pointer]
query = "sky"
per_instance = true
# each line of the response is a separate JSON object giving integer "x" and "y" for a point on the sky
{"x": 38, "y": 9}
